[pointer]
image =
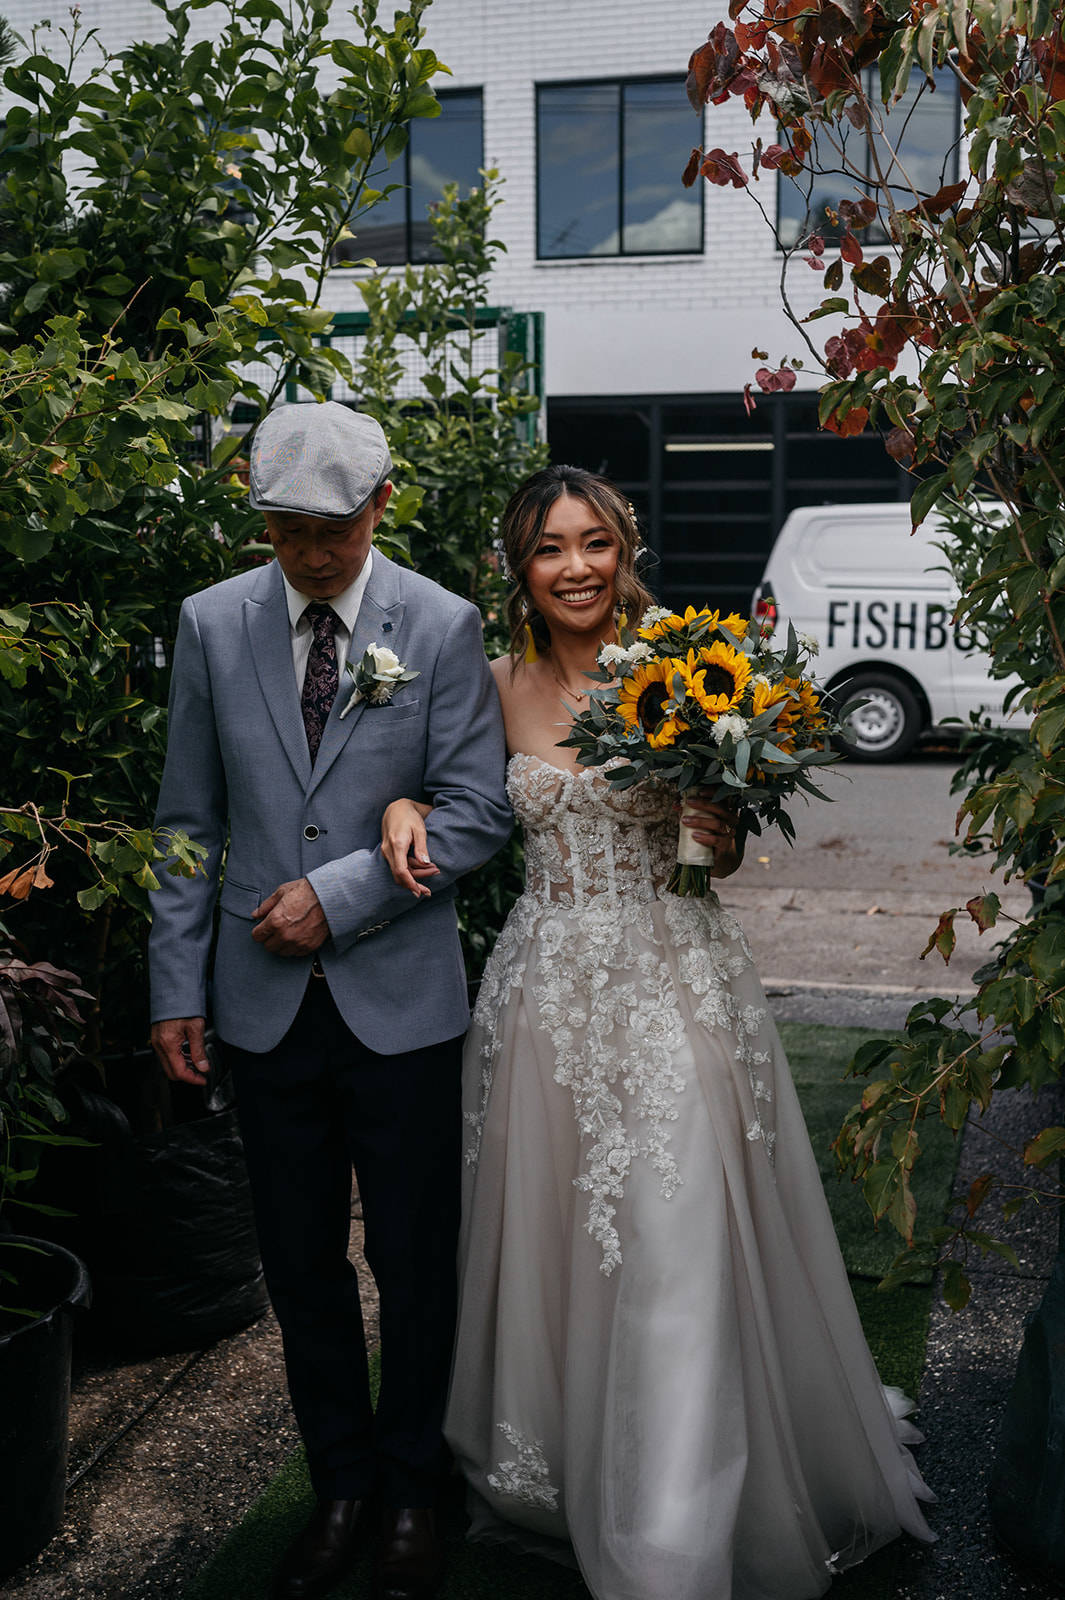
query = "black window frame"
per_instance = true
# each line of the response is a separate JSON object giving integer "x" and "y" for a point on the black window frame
{"x": 621, "y": 83}
{"x": 875, "y": 233}
{"x": 346, "y": 262}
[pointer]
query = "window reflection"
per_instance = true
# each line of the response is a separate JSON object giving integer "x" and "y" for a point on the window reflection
{"x": 608, "y": 156}
{"x": 441, "y": 150}
{"x": 917, "y": 149}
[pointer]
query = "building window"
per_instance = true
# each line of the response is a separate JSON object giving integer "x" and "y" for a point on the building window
{"x": 441, "y": 150}
{"x": 608, "y": 161}
{"x": 922, "y": 128}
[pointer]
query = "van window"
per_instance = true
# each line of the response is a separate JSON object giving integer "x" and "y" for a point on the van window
{"x": 870, "y": 553}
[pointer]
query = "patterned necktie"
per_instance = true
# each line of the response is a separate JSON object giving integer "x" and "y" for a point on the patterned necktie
{"x": 322, "y": 680}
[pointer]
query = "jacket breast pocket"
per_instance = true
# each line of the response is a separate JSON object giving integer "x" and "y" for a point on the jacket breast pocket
{"x": 239, "y": 899}
{"x": 388, "y": 722}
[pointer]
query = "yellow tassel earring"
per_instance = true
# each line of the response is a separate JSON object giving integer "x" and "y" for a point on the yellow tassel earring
{"x": 531, "y": 652}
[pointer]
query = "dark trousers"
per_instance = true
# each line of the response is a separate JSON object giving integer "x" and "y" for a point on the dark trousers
{"x": 311, "y": 1109}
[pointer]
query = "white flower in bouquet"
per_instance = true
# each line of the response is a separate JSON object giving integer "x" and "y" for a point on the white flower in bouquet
{"x": 808, "y": 643}
{"x": 612, "y": 656}
{"x": 736, "y": 726}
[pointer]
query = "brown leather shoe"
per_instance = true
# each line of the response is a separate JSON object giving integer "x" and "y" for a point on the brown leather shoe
{"x": 411, "y": 1560}
{"x": 322, "y": 1553}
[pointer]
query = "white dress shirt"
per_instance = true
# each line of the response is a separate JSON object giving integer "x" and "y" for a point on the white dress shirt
{"x": 346, "y": 604}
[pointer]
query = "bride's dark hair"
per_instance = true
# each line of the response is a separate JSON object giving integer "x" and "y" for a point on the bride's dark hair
{"x": 522, "y": 529}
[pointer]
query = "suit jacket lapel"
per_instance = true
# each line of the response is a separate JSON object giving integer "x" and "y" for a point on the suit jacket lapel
{"x": 267, "y": 625}
{"x": 380, "y": 621}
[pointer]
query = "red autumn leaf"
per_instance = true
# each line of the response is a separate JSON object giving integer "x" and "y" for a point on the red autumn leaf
{"x": 748, "y": 399}
{"x": 691, "y": 171}
{"x": 723, "y": 169}
{"x": 713, "y": 66}
{"x": 942, "y": 937}
{"x": 838, "y": 358}
{"x": 772, "y": 156}
{"x": 984, "y": 909}
{"x": 850, "y": 249}
{"x": 856, "y": 214}
{"x": 815, "y": 262}
{"x": 850, "y": 425}
{"x": 827, "y": 71}
{"x": 770, "y": 382}
{"x": 749, "y": 35}
{"x": 899, "y": 445}
{"x": 941, "y": 201}
{"x": 817, "y": 244}
{"x": 1049, "y": 57}
{"x": 978, "y": 1193}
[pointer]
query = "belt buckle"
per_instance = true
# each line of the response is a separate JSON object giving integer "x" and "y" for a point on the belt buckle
{"x": 317, "y": 970}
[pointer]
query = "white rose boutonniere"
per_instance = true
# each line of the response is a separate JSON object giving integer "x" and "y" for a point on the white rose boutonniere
{"x": 377, "y": 677}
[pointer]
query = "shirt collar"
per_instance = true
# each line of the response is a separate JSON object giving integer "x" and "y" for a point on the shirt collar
{"x": 346, "y": 604}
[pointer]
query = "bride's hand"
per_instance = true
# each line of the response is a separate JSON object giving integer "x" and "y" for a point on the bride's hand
{"x": 714, "y": 824}
{"x": 405, "y": 846}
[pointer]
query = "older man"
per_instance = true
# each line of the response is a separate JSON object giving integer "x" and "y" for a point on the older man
{"x": 340, "y": 998}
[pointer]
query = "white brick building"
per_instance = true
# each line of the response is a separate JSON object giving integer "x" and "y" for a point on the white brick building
{"x": 646, "y": 354}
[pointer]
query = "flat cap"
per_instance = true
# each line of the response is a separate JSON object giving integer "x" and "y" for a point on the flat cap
{"x": 324, "y": 460}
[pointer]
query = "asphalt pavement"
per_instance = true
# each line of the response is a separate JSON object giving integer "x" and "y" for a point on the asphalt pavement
{"x": 168, "y": 1453}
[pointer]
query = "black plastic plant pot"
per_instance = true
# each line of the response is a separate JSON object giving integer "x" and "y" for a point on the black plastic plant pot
{"x": 34, "y": 1391}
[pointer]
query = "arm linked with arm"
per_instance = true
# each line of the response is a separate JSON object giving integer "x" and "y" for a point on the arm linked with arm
{"x": 465, "y": 763}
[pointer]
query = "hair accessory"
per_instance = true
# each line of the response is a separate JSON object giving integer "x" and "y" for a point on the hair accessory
{"x": 531, "y": 652}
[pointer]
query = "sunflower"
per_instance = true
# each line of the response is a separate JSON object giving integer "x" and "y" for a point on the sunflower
{"x": 716, "y": 677}
{"x": 642, "y": 702}
{"x": 735, "y": 624}
{"x": 768, "y": 694}
{"x": 802, "y": 713}
{"x": 675, "y": 623}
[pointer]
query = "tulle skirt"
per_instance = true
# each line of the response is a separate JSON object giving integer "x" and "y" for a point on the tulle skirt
{"x": 659, "y": 1372}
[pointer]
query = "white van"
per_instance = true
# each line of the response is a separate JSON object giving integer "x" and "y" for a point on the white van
{"x": 860, "y": 582}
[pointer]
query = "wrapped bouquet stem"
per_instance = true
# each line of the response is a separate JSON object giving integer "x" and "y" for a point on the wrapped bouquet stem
{"x": 691, "y": 875}
{"x": 706, "y": 703}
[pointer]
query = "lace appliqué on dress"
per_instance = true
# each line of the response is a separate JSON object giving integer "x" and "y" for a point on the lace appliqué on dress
{"x": 610, "y": 1008}
{"x": 527, "y": 1477}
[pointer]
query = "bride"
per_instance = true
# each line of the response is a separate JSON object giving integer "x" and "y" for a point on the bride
{"x": 659, "y": 1370}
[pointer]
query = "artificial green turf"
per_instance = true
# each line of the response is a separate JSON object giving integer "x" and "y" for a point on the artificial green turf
{"x": 895, "y": 1324}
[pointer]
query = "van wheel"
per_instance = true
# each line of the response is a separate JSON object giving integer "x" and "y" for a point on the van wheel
{"x": 887, "y": 726}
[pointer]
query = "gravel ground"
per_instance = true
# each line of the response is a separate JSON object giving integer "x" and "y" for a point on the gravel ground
{"x": 166, "y": 1457}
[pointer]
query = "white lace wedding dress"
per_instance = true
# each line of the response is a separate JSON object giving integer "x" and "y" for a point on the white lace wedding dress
{"x": 659, "y": 1364}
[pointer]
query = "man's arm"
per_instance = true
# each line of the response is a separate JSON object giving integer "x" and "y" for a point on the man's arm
{"x": 465, "y": 766}
{"x": 192, "y": 796}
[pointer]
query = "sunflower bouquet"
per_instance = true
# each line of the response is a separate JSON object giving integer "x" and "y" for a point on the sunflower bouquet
{"x": 703, "y": 701}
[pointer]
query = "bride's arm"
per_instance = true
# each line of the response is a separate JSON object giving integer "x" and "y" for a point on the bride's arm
{"x": 405, "y": 847}
{"x": 713, "y": 825}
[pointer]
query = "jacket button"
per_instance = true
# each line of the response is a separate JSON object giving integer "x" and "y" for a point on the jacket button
{"x": 310, "y": 831}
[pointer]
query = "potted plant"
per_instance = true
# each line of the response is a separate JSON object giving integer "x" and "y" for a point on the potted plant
{"x": 41, "y": 1284}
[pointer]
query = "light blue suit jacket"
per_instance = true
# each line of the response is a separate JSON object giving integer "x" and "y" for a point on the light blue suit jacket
{"x": 238, "y": 774}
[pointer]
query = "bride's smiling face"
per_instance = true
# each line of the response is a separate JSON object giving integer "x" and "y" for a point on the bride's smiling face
{"x": 570, "y": 576}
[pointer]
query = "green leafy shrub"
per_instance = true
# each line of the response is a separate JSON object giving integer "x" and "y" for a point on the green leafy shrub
{"x": 952, "y": 341}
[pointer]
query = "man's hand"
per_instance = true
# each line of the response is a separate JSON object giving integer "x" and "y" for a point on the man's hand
{"x": 179, "y": 1044}
{"x": 291, "y": 921}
